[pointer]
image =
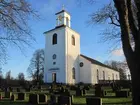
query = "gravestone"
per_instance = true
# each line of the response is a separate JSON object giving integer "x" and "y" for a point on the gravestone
{"x": 0, "y": 96}
{"x": 53, "y": 100}
{"x": 18, "y": 89}
{"x": 66, "y": 92}
{"x": 7, "y": 94}
{"x": 84, "y": 91}
{"x": 79, "y": 92}
{"x": 93, "y": 101}
{"x": 86, "y": 87}
{"x": 21, "y": 96}
{"x": 10, "y": 89}
{"x": 42, "y": 98}
{"x": 98, "y": 90}
{"x": 12, "y": 97}
{"x": 33, "y": 99}
{"x": 64, "y": 100}
{"x": 122, "y": 93}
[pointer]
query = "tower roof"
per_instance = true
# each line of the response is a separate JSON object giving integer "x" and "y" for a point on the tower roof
{"x": 62, "y": 12}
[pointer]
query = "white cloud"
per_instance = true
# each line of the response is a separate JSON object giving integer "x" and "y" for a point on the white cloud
{"x": 118, "y": 52}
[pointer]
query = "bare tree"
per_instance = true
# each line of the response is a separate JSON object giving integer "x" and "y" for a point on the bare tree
{"x": 14, "y": 29}
{"x": 124, "y": 15}
{"x": 36, "y": 67}
{"x": 21, "y": 79}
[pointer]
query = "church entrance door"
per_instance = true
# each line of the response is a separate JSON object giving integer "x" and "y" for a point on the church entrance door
{"x": 54, "y": 77}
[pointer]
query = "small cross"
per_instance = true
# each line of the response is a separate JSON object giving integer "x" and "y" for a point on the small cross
{"x": 63, "y": 7}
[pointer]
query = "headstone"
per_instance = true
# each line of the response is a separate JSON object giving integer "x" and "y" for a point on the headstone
{"x": 93, "y": 101}
{"x": 12, "y": 97}
{"x": 66, "y": 92}
{"x": 0, "y": 96}
{"x": 53, "y": 99}
{"x": 98, "y": 90}
{"x": 86, "y": 87}
{"x": 33, "y": 98}
{"x": 79, "y": 92}
{"x": 42, "y": 98}
{"x": 21, "y": 96}
{"x": 122, "y": 93}
{"x": 18, "y": 90}
{"x": 7, "y": 94}
{"x": 84, "y": 91}
{"x": 10, "y": 89}
{"x": 64, "y": 100}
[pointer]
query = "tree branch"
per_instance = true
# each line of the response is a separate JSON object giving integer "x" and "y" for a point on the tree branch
{"x": 121, "y": 7}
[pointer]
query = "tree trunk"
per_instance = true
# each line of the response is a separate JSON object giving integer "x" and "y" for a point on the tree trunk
{"x": 135, "y": 84}
{"x": 132, "y": 56}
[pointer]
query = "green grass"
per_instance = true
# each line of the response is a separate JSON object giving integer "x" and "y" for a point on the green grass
{"x": 78, "y": 101}
{"x": 111, "y": 101}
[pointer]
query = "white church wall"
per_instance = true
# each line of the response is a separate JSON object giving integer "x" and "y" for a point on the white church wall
{"x": 85, "y": 71}
{"x": 107, "y": 71}
{"x": 72, "y": 55}
{"x": 59, "y": 50}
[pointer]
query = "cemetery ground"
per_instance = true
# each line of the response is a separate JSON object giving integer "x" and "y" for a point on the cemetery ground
{"x": 109, "y": 98}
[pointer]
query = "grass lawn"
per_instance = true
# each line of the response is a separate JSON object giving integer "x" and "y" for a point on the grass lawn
{"x": 106, "y": 101}
{"x": 77, "y": 101}
{"x": 109, "y": 99}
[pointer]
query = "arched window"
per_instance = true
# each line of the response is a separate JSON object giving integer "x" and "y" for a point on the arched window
{"x": 73, "y": 40}
{"x": 73, "y": 73}
{"x": 103, "y": 75}
{"x": 54, "y": 39}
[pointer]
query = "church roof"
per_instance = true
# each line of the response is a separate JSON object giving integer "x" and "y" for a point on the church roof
{"x": 55, "y": 28}
{"x": 96, "y": 62}
{"x": 61, "y": 12}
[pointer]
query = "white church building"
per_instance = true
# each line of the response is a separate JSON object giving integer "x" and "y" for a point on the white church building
{"x": 63, "y": 61}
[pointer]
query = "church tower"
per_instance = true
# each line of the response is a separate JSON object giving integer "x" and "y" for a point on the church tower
{"x": 62, "y": 51}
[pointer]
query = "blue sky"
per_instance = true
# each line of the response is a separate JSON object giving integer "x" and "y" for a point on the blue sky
{"x": 90, "y": 46}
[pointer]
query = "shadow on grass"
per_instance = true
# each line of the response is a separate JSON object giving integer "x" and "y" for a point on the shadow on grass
{"x": 122, "y": 103}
